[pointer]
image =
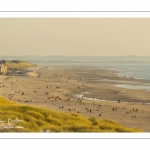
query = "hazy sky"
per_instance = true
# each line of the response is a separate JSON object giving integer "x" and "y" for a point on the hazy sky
{"x": 75, "y": 36}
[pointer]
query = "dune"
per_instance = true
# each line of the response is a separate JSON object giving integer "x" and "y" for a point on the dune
{"x": 32, "y": 74}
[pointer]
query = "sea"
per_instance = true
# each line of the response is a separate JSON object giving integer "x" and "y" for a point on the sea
{"x": 137, "y": 70}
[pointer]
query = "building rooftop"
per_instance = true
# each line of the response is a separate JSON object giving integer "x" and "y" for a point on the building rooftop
{"x": 2, "y": 62}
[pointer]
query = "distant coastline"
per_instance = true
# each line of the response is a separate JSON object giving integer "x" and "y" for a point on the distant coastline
{"x": 128, "y": 58}
{"x": 137, "y": 70}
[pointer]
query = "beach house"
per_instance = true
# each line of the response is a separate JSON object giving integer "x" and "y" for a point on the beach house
{"x": 3, "y": 67}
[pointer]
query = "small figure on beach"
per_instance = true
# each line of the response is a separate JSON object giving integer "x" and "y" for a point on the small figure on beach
{"x": 133, "y": 116}
{"x": 135, "y": 110}
{"x": 129, "y": 112}
{"x": 26, "y": 101}
{"x": 114, "y": 109}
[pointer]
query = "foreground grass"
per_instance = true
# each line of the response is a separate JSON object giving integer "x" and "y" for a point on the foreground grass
{"x": 36, "y": 119}
{"x": 19, "y": 64}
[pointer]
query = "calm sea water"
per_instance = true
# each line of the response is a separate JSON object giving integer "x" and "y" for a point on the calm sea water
{"x": 139, "y": 70}
{"x": 136, "y": 70}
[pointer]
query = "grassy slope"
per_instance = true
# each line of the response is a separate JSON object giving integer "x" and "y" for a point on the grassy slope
{"x": 19, "y": 64}
{"x": 36, "y": 119}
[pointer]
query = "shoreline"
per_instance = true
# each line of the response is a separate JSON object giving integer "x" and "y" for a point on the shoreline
{"x": 64, "y": 81}
{"x": 96, "y": 100}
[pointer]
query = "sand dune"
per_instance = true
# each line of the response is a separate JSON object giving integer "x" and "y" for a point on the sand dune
{"x": 32, "y": 74}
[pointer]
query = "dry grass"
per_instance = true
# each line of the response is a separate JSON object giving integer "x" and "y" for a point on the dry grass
{"x": 19, "y": 64}
{"x": 36, "y": 119}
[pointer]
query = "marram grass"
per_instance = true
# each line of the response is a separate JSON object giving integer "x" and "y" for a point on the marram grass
{"x": 36, "y": 119}
{"x": 19, "y": 64}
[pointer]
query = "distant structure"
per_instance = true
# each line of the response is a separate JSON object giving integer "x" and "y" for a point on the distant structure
{"x": 3, "y": 67}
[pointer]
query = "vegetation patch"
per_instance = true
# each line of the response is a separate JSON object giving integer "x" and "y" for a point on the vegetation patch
{"x": 19, "y": 65}
{"x": 16, "y": 117}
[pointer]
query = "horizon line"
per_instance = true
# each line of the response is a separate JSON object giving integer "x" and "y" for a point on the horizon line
{"x": 81, "y": 55}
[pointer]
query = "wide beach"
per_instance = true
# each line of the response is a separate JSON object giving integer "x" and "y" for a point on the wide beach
{"x": 84, "y": 90}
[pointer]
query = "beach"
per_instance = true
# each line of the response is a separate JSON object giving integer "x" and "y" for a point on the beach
{"x": 85, "y": 90}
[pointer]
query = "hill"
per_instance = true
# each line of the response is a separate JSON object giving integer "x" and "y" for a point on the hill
{"x": 18, "y": 65}
{"x": 16, "y": 117}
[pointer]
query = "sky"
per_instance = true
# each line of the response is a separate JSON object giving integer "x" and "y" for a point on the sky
{"x": 75, "y": 36}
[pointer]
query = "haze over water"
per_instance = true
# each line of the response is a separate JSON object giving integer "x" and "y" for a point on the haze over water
{"x": 82, "y": 37}
{"x": 137, "y": 70}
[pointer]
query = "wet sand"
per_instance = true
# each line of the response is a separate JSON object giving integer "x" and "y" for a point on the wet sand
{"x": 83, "y": 90}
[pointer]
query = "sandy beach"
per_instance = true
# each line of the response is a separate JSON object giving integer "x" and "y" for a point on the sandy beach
{"x": 85, "y": 90}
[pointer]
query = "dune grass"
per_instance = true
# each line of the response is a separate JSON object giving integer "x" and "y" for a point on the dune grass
{"x": 36, "y": 119}
{"x": 19, "y": 64}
